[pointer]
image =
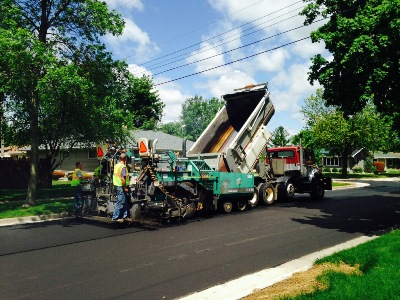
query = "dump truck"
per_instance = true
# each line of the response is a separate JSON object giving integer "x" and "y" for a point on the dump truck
{"x": 228, "y": 167}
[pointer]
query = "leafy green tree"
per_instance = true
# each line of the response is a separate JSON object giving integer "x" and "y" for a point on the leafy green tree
{"x": 333, "y": 131}
{"x": 173, "y": 128}
{"x": 61, "y": 84}
{"x": 279, "y": 137}
{"x": 363, "y": 38}
{"x": 308, "y": 142}
{"x": 196, "y": 114}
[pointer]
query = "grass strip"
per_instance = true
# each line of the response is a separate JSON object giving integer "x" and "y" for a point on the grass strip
{"x": 378, "y": 261}
{"x": 14, "y": 209}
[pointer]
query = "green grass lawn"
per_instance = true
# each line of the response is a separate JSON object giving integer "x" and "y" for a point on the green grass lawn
{"x": 379, "y": 262}
{"x": 14, "y": 209}
{"x": 11, "y": 201}
{"x": 58, "y": 189}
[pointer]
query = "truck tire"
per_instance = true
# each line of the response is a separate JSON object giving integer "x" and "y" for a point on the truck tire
{"x": 226, "y": 207}
{"x": 253, "y": 202}
{"x": 267, "y": 194}
{"x": 290, "y": 190}
{"x": 241, "y": 205}
{"x": 286, "y": 191}
{"x": 318, "y": 191}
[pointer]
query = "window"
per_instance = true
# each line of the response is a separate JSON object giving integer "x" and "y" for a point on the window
{"x": 282, "y": 154}
{"x": 332, "y": 161}
{"x": 92, "y": 153}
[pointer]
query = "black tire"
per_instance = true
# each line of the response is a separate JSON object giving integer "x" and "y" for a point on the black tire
{"x": 267, "y": 194}
{"x": 253, "y": 202}
{"x": 318, "y": 191}
{"x": 226, "y": 207}
{"x": 286, "y": 191}
{"x": 241, "y": 205}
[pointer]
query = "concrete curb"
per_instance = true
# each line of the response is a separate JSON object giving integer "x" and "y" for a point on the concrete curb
{"x": 32, "y": 219}
{"x": 233, "y": 289}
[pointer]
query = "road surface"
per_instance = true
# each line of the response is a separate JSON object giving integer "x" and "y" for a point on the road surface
{"x": 70, "y": 259}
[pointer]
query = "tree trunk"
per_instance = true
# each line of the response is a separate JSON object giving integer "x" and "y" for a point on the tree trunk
{"x": 34, "y": 155}
{"x": 34, "y": 119}
{"x": 345, "y": 156}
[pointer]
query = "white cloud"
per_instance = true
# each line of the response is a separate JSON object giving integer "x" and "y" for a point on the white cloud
{"x": 138, "y": 71}
{"x": 227, "y": 83}
{"x": 173, "y": 96}
{"x": 134, "y": 42}
{"x": 125, "y": 4}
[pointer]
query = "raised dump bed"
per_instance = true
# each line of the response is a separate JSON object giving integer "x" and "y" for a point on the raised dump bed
{"x": 236, "y": 137}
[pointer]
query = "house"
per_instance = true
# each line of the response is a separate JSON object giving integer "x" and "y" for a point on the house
{"x": 391, "y": 159}
{"x": 88, "y": 155}
{"x": 358, "y": 156}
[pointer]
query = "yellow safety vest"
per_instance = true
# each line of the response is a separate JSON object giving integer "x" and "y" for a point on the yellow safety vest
{"x": 117, "y": 174}
{"x": 75, "y": 179}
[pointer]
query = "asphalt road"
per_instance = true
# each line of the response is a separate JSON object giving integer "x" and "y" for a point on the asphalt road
{"x": 70, "y": 259}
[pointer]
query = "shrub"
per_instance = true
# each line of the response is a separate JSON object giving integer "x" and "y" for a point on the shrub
{"x": 58, "y": 174}
{"x": 334, "y": 170}
{"x": 326, "y": 169}
{"x": 369, "y": 165}
{"x": 380, "y": 166}
{"x": 357, "y": 169}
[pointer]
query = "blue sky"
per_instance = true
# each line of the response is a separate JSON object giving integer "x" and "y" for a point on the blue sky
{"x": 170, "y": 39}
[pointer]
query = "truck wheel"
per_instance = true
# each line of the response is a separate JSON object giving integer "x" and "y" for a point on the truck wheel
{"x": 267, "y": 194}
{"x": 318, "y": 191}
{"x": 227, "y": 207}
{"x": 290, "y": 191}
{"x": 253, "y": 202}
{"x": 286, "y": 191}
{"x": 241, "y": 205}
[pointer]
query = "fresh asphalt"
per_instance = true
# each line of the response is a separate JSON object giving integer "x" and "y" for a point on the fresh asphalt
{"x": 244, "y": 285}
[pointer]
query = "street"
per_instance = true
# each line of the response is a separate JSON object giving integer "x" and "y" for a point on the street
{"x": 73, "y": 259}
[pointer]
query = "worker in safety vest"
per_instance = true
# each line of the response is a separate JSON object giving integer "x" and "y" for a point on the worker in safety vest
{"x": 77, "y": 177}
{"x": 120, "y": 183}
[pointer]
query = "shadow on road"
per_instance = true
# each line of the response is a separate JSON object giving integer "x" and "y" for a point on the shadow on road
{"x": 370, "y": 211}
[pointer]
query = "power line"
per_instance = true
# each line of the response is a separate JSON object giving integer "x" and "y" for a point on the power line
{"x": 213, "y": 37}
{"x": 210, "y": 47}
{"x": 258, "y": 41}
{"x": 196, "y": 29}
{"x": 229, "y": 63}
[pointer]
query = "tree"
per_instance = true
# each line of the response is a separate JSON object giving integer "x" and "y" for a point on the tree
{"x": 308, "y": 142}
{"x": 333, "y": 131}
{"x": 61, "y": 83}
{"x": 279, "y": 137}
{"x": 362, "y": 36}
{"x": 196, "y": 114}
{"x": 173, "y": 128}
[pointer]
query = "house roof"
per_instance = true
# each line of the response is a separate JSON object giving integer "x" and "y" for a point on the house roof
{"x": 165, "y": 141}
{"x": 380, "y": 154}
{"x": 362, "y": 152}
